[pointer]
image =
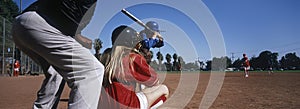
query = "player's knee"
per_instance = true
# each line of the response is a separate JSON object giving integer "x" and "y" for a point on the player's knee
{"x": 165, "y": 89}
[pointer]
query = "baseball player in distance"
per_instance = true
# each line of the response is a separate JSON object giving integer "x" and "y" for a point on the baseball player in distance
{"x": 246, "y": 65}
{"x": 17, "y": 68}
{"x": 126, "y": 68}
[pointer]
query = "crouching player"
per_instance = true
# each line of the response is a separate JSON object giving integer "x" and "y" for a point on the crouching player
{"x": 125, "y": 67}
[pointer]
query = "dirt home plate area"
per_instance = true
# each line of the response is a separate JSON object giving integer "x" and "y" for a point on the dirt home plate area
{"x": 259, "y": 91}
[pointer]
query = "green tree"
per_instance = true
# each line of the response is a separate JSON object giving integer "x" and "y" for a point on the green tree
{"x": 219, "y": 64}
{"x": 168, "y": 63}
{"x": 237, "y": 63}
{"x": 168, "y": 58}
{"x": 290, "y": 61}
{"x": 267, "y": 59}
{"x": 274, "y": 60}
{"x": 264, "y": 59}
{"x": 208, "y": 65}
{"x": 160, "y": 58}
{"x": 282, "y": 62}
{"x": 176, "y": 64}
{"x": 254, "y": 63}
{"x": 193, "y": 66}
{"x": 175, "y": 57}
{"x": 8, "y": 9}
{"x": 201, "y": 63}
{"x": 151, "y": 53}
{"x": 228, "y": 61}
{"x": 180, "y": 62}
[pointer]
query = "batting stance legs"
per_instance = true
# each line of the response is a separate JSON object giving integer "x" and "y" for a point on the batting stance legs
{"x": 77, "y": 66}
{"x": 49, "y": 94}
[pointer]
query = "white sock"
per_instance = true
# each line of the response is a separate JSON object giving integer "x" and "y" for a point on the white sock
{"x": 157, "y": 104}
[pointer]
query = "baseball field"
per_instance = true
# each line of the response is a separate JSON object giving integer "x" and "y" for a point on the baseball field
{"x": 260, "y": 91}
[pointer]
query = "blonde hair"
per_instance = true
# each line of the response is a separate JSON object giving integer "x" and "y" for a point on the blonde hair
{"x": 115, "y": 64}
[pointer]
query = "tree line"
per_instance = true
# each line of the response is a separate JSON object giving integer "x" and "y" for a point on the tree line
{"x": 264, "y": 61}
{"x": 268, "y": 59}
{"x": 169, "y": 65}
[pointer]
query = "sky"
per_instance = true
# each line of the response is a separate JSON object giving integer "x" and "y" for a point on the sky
{"x": 202, "y": 29}
{"x": 252, "y": 26}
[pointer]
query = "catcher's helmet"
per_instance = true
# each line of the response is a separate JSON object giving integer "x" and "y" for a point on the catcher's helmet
{"x": 125, "y": 36}
{"x": 153, "y": 26}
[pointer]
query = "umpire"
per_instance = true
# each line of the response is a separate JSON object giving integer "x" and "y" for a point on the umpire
{"x": 46, "y": 32}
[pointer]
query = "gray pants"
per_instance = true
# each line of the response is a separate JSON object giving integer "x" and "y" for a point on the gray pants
{"x": 62, "y": 59}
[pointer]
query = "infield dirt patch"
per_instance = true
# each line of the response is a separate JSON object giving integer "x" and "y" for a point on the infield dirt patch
{"x": 259, "y": 91}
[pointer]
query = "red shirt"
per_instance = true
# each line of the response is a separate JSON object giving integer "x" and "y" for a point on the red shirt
{"x": 17, "y": 65}
{"x": 246, "y": 62}
{"x": 124, "y": 92}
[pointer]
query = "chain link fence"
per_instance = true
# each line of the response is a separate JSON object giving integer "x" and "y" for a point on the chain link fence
{"x": 9, "y": 52}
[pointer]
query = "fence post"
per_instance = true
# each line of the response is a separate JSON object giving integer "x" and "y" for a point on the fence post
{"x": 13, "y": 59}
{"x": 3, "y": 47}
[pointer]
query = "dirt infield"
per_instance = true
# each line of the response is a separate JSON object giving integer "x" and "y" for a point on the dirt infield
{"x": 259, "y": 91}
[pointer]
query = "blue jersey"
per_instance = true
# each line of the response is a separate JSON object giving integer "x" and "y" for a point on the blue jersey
{"x": 150, "y": 42}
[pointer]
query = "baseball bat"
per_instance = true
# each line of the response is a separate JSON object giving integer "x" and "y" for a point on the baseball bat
{"x": 135, "y": 19}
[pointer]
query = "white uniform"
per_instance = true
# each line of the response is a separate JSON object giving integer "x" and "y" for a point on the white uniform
{"x": 59, "y": 53}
